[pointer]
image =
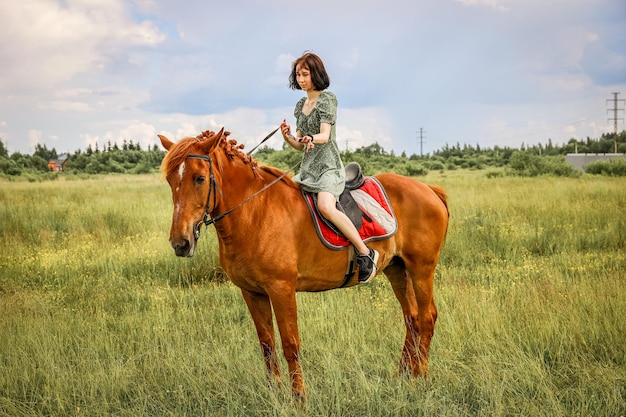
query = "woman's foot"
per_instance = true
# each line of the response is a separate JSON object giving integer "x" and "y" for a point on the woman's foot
{"x": 367, "y": 266}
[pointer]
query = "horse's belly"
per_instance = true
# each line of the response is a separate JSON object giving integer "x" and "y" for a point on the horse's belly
{"x": 318, "y": 271}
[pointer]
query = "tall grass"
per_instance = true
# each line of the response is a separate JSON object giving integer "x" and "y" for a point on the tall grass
{"x": 98, "y": 317}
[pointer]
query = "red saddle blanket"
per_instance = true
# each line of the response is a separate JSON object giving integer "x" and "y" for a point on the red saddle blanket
{"x": 379, "y": 220}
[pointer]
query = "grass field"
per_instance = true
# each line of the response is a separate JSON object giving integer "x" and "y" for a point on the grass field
{"x": 98, "y": 317}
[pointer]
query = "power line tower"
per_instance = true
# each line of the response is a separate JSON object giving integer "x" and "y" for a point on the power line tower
{"x": 615, "y": 119}
{"x": 421, "y": 141}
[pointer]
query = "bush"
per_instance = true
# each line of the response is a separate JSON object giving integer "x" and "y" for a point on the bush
{"x": 556, "y": 165}
{"x": 142, "y": 168}
{"x": 436, "y": 166}
{"x": 611, "y": 168}
{"x": 525, "y": 164}
{"x": 10, "y": 167}
{"x": 494, "y": 174}
{"x": 411, "y": 169}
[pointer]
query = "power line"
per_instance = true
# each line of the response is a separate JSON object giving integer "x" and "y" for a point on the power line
{"x": 421, "y": 141}
{"x": 615, "y": 119}
{"x": 615, "y": 100}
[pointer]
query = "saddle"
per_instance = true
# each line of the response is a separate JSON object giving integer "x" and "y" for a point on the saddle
{"x": 366, "y": 204}
{"x": 346, "y": 203}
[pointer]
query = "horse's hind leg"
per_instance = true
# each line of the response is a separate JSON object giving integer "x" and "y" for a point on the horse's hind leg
{"x": 422, "y": 276}
{"x": 414, "y": 291}
{"x": 261, "y": 311}
{"x": 403, "y": 290}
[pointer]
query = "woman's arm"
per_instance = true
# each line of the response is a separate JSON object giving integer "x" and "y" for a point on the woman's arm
{"x": 323, "y": 136}
{"x": 295, "y": 141}
{"x": 309, "y": 141}
{"x": 301, "y": 142}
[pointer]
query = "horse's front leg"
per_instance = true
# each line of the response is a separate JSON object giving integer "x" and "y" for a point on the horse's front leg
{"x": 284, "y": 302}
{"x": 261, "y": 311}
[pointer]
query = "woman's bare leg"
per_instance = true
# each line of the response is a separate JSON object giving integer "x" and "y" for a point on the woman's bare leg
{"x": 327, "y": 204}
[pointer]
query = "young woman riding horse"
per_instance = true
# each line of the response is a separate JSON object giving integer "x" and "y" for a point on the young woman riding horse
{"x": 322, "y": 170}
{"x": 269, "y": 248}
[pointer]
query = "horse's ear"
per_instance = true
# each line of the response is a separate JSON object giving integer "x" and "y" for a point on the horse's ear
{"x": 212, "y": 142}
{"x": 167, "y": 144}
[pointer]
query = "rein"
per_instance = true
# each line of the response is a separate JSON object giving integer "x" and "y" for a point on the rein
{"x": 269, "y": 135}
{"x": 214, "y": 189}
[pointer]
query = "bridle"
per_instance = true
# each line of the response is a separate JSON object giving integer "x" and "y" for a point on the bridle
{"x": 214, "y": 188}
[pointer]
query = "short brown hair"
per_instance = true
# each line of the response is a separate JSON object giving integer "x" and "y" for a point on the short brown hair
{"x": 319, "y": 76}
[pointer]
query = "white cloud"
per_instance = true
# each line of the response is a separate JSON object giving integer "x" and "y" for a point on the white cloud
{"x": 66, "y": 106}
{"x": 283, "y": 63}
{"x": 84, "y": 71}
{"x": 361, "y": 127}
{"x": 93, "y": 141}
{"x": 496, "y": 4}
{"x": 34, "y": 137}
{"x": 45, "y": 42}
{"x": 142, "y": 133}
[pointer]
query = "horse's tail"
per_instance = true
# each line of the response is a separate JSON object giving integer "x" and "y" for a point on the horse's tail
{"x": 441, "y": 193}
{"x": 442, "y": 196}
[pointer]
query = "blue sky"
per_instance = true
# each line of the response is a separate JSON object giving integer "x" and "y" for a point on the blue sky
{"x": 487, "y": 72}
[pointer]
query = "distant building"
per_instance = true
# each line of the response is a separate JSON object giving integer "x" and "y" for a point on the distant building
{"x": 59, "y": 163}
{"x": 580, "y": 160}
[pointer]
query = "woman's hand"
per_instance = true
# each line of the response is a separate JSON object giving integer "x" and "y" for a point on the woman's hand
{"x": 307, "y": 141}
{"x": 285, "y": 129}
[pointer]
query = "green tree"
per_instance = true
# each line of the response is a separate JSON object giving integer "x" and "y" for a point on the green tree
{"x": 43, "y": 152}
{"x": 4, "y": 153}
{"x": 371, "y": 150}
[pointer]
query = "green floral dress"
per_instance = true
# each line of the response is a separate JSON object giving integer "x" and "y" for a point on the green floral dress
{"x": 322, "y": 168}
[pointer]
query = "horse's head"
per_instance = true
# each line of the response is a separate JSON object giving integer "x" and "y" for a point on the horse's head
{"x": 190, "y": 171}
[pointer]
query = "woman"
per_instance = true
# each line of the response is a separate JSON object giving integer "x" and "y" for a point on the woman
{"x": 322, "y": 170}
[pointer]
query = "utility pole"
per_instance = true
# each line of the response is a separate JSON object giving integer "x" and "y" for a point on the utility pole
{"x": 421, "y": 141}
{"x": 615, "y": 119}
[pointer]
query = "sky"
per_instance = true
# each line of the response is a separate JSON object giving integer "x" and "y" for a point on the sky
{"x": 410, "y": 75}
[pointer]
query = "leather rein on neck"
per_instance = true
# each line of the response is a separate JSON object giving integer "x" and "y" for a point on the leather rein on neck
{"x": 214, "y": 189}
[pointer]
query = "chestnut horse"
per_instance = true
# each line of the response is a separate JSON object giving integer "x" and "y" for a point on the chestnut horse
{"x": 269, "y": 248}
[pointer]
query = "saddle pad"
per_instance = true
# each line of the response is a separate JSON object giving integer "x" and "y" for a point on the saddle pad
{"x": 379, "y": 220}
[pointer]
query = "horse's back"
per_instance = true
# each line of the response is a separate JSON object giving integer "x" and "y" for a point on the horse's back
{"x": 403, "y": 189}
{"x": 421, "y": 210}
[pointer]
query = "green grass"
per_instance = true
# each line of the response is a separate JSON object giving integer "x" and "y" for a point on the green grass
{"x": 98, "y": 317}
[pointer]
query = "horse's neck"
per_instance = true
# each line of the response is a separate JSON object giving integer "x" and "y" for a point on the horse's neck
{"x": 232, "y": 188}
{"x": 254, "y": 205}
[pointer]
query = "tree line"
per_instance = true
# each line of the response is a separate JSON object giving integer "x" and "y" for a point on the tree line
{"x": 128, "y": 158}
{"x": 528, "y": 160}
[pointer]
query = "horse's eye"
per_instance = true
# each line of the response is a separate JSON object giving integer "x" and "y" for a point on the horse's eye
{"x": 200, "y": 180}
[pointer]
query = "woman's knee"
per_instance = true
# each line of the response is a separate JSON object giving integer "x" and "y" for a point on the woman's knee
{"x": 327, "y": 206}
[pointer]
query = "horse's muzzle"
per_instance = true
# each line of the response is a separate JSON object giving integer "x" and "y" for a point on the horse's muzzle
{"x": 183, "y": 248}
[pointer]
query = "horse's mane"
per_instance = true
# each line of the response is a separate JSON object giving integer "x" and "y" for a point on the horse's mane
{"x": 181, "y": 149}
